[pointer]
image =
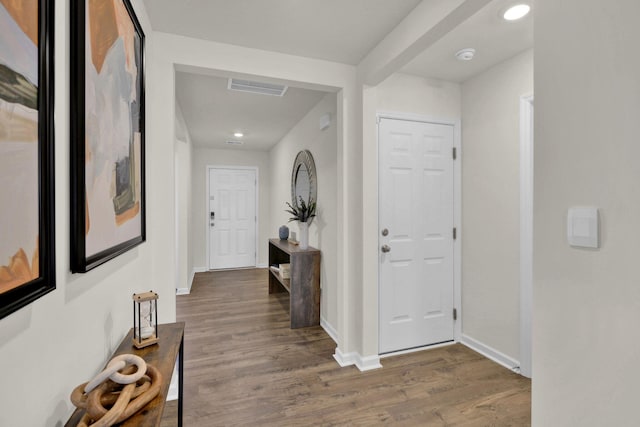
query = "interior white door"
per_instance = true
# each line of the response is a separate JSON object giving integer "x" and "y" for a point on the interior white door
{"x": 232, "y": 218}
{"x": 416, "y": 234}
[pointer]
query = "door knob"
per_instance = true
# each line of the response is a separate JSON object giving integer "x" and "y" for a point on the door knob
{"x": 385, "y": 232}
{"x": 385, "y": 248}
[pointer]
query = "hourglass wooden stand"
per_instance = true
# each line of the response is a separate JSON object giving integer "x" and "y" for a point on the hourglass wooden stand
{"x": 139, "y": 339}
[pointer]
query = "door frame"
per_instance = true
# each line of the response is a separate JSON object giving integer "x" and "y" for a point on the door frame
{"x": 526, "y": 231}
{"x": 206, "y": 207}
{"x": 457, "y": 216}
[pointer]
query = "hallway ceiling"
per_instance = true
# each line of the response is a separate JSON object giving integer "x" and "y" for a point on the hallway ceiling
{"x": 335, "y": 30}
{"x": 494, "y": 39}
{"x": 213, "y": 113}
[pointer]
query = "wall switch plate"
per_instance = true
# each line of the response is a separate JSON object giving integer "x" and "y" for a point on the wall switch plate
{"x": 583, "y": 227}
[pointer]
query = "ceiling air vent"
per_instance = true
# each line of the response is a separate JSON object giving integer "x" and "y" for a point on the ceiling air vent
{"x": 257, "y": 87}
{"x": 234, "y": 142}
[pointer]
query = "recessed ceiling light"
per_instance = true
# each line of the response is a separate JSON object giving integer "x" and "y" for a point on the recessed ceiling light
{"x": 238, "y": 134}
{"x": 516, "y": 12}
{"x": 465, "y": 54}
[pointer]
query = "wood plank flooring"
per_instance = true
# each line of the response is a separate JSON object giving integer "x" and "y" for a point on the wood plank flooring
{"x": 244, "y": 366}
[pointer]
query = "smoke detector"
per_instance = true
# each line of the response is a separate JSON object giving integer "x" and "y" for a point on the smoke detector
{"x": 257, "y": 87}
{"x": 466, "y": 54}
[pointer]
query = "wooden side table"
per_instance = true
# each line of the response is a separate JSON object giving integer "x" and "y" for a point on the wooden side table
{"x": 163, "y": 356}
{"x": 303, "y": 285}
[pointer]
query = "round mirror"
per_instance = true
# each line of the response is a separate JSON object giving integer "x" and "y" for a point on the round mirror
{"x": 303, "y": 178}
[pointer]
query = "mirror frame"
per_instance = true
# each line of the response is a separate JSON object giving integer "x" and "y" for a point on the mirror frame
{"x": 305, "y": 158}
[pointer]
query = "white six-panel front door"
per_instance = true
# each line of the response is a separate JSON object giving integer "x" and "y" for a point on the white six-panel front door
{"x": 416, "y": 210}
{"x": 232, "y": 218}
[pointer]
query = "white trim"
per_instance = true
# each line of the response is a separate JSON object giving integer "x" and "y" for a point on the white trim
{"x": 457, "y": 205}
{"x": 187, "y": 291}
{"x": 395, "y": 115}
{"x": 176, "y": 215}
{"x": 526, "y": 231}
{"x": 457, "y": 221}
{"x": 208, "y": 194}
{"x": 329, "y": 329}
{"x": 367, "y": 363}
{"x": 490, "y": 353}
{"x": 262, "y": 265}
{"x": 344, "y": 359}
{"x": 417, "y": 349}
{"x": 362, "y": 363}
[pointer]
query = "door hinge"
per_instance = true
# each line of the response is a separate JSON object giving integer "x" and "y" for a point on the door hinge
{"x": 455, "y": 233}
{"x": 455, "y": 314}
{"x": 455, "y": 153}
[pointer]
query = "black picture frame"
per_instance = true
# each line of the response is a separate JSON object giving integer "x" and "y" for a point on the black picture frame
{"x": 16, "y": 298}
{"x": 81, "y": 260}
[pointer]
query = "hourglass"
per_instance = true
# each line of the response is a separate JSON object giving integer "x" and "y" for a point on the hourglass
{"x": 145, "y": 319}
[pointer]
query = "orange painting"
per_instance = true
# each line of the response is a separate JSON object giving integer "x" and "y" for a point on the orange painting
{"x": 112, "y": 127}
{"x": 19, "y": 170}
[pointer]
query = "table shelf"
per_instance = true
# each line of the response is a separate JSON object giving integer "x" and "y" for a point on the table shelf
{"x": 304, "y": 282}
{"x": 284, "y": 282}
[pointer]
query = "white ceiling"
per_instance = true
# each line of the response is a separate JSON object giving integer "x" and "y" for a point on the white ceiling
{"x": 213, "y": 113}
{"x": 494, "y": 39}
{"x": 336, "y": 30}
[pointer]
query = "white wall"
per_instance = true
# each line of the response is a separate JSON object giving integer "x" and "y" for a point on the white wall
{"x": 416, "y": 95}
{"x": 586, "y": 302}
{"x": 399, "y": 93}
{"x": 203, "y": 157}
{"x": 306, "y": 135}
{"x": 491, "y": 203}
{"x": 65, "y": 337}
{"x": 183, "y": 165}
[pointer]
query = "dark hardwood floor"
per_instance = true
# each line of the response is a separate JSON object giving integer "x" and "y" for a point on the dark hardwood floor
{"x": 244, "y": 366}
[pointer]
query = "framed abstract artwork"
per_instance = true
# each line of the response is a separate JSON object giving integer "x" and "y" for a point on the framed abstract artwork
{"x": 27, "y": 247}
{"x": 107, "y": 132}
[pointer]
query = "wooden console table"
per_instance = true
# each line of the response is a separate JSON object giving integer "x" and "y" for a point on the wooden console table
{"x": 163, "y": 356}
{"x": 304, "y": 284}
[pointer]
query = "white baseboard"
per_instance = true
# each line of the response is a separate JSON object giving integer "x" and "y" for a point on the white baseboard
{"x": 368, "y": 363}
{"x": 491, "y": 353}
{"x": 416, "y": 349}
{"x": 262, "y": 266}
{"x": 344, "y": 359}
{"x": 187, "y": 291}
{"x": 354, "y": 358}
{"x": 330, "y": 330}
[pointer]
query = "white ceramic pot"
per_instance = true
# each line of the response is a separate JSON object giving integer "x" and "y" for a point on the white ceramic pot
{"x": 304, "y": 234}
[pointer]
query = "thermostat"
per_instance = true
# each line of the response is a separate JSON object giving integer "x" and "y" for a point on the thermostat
{"x": 582, "y": 227}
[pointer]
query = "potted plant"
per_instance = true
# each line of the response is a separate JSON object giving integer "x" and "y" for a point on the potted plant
{"x": 303, "y": 212}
